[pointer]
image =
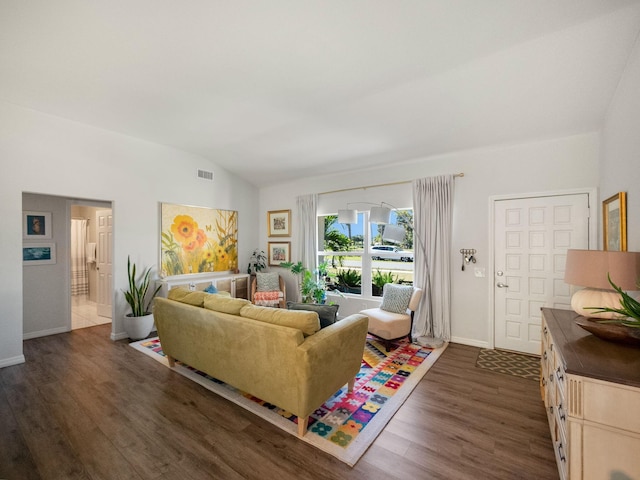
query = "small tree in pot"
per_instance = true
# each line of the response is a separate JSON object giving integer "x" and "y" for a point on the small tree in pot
{"x": 139, "y": 322}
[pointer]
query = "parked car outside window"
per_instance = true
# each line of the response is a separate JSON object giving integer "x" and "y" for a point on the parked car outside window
{"x": 389, "y": 252}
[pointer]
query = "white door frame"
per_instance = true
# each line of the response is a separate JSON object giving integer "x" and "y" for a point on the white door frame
{"x": 592, "y": 194}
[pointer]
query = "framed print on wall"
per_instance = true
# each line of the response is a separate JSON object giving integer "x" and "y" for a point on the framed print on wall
{"x": 614, "y": 222}
{"x": 279, "y": 223}
{"x": 197, "y": 240}
{"x": 36, "y": 225}
{"x": 39, "y": 254}
{"x": 279, "y": 252}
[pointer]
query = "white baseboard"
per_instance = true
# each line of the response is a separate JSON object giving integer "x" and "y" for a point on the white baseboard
{"x": 123, "y": 335}
{"x": 471, "y": 342}
{"x": 118, "y": 336}
{"x": 44, "y": 333}
{"x": 7, "y": 362}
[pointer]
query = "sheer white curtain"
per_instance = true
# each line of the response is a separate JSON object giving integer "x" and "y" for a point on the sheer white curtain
{"x": 79, "y": 270}
{"x": 433, "y": 212}
{"x": 307, "y": 225}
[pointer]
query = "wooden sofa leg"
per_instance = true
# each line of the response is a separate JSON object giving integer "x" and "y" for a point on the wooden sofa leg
{"x": 351, "y": 384}
{"x": 172, "y": 361}
{"x": 302, "y": 426}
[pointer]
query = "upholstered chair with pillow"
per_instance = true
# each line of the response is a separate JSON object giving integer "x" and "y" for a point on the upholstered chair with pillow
{"x": 268, "y": 289}
{"x": 393, "y": 320}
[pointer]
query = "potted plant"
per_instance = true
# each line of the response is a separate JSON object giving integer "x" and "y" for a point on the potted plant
{"x": 311, "y": 285}
{"x": 349, "y": 281}
{"x": 379, "y": 280}
{"x": 139, "y": 323}
{"x": 257, "y": 262}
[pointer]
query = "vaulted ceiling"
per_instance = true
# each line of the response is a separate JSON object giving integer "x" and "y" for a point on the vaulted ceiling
{"x": 281, "y": 89}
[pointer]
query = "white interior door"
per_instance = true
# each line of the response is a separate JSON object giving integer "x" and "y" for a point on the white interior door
{"x": 531, "y": 237}
{"x": 104, "y": 221}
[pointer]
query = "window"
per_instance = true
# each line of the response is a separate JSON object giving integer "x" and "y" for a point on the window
{"x": 355, "y": 270}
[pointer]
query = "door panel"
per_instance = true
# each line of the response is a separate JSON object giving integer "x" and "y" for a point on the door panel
{"x": 532, "y": 236}
{"x": 104, "y": 220}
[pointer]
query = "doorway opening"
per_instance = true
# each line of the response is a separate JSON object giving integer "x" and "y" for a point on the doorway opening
{"x": 87, "y": 245}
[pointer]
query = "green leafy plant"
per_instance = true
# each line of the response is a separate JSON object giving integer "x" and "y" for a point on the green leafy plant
{"x": 312, "y": 285}
{"x": 629, "y": 308}
{"x": 380, "y": 279}
{"x": 349, "y": 278}
{"x": 257, "y": 261}
{"x": 138, "y": 288}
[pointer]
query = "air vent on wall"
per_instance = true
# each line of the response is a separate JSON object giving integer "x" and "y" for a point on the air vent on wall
{"x": 205, "y": 175}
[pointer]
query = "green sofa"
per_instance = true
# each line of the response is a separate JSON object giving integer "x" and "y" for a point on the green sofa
{"x": 280, "y": 356}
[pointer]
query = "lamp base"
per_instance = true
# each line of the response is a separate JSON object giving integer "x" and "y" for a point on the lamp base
{"x": 594, "y": 297}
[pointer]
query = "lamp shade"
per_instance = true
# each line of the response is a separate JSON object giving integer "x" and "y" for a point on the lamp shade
{"x": 379, "y": 214}
{"x": 393, "y": 233}
{"x": 347, "y": 216}
{"x": 589, "y": 268}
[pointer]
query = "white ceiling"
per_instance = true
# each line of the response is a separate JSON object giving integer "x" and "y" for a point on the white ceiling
{"x": 281, "y": 89}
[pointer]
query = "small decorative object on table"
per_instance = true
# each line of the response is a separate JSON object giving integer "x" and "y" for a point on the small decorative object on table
{"x": 625, "y": 328}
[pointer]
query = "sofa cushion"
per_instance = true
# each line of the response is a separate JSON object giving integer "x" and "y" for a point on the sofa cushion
{"x": 224, "y": 303}
{"x": 181, "y": 294}
{"x": 326, "y": 313}
{"x": 267, "y": 282}
{"x": 395, "y": 298}
{"x": 305, "y": 321}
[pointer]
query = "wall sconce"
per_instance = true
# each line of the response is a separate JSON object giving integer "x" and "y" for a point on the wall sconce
{"x": 590, "y": 268}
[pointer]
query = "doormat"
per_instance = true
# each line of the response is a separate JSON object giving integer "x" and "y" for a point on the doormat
{"x": 509, "y": 363}
{"x": 347, "y": 423}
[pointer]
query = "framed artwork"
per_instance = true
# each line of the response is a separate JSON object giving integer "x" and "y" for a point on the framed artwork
{"x": 197, "y": 240}
{"x": 614, "y": 222}
{"x": 39, "y": 254}
{"x": 36, "y": 225}
{"x": 279, "y": 223}
{"x": 279, "y": 252}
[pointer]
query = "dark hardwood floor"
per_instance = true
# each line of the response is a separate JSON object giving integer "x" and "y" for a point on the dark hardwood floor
{"x": 84, "y": 407}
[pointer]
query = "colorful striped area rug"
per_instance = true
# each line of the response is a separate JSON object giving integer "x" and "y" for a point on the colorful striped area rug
{"x": 347, "y": 423}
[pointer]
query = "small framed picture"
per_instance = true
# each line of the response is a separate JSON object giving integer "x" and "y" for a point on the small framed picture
{"x": 614, "y": 222}
{"x": 37, "y": 225}
{"x": 39, "y": 254}
{"x": 279, "y": 223}
{"x": 279, "y": 252}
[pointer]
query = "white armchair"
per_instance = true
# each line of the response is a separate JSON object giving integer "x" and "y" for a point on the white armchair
{"x": 393, "y": 320}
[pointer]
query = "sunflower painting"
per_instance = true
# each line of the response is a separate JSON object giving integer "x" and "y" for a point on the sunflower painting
{"x": 198, "y": 240}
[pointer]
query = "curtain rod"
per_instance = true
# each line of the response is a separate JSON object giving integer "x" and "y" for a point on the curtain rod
{"x": 377, "y": 186}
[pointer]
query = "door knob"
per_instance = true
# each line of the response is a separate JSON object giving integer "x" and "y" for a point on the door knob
{"x": 501, "y": 285}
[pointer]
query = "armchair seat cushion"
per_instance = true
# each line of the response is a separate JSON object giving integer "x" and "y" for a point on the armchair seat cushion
{"x": 387, "y": 325}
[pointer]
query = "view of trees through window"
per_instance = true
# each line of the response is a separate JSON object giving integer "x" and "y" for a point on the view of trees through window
{"x": 387, "y": 258}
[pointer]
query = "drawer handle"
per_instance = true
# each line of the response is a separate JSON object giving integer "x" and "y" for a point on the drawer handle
{"x": 545, "y": 330}
{"x": 544, "y": 355}
{"x": 544, "y": 382}
{"x": 561, "y": 452}
{"x": 561, "y": 412}
{"x": 560, "y": 374}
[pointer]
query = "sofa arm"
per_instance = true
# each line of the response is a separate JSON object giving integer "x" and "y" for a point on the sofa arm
{"x": 330, "y": 359}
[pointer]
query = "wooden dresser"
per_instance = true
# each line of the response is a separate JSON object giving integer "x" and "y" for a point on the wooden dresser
{"x": 591, "y": 391}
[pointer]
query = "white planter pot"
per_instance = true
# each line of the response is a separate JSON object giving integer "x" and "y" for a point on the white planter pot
{"x": 138, "y": 328}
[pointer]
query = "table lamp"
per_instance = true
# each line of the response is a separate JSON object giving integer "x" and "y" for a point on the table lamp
{"x": 590, "y": 269}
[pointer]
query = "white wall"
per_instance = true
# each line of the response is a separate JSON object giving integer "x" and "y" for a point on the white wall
{"x": 47, "y": 155}
{"x": 620, "y": 165}
{"x": 551, "y": 165}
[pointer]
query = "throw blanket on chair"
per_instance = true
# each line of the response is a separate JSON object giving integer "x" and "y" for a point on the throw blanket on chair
{"x": 267, "y": 299}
